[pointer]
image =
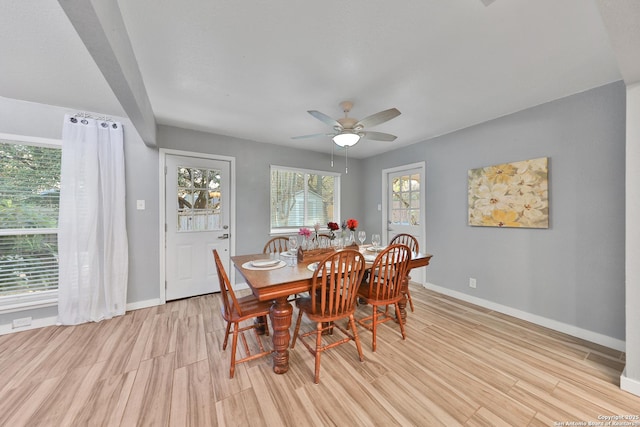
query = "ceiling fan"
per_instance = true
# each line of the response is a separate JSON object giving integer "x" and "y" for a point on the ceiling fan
{"x": 347, "y": 131}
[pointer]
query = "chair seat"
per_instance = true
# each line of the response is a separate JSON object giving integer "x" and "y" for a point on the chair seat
{"x": 363, "y": 295}
{"x": 305, "y": 305}
{"x": 250, "y": 307}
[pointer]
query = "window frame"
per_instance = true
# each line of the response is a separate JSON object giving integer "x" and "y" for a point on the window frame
{"x": 27, "y": 301}
{"x": 336, "y": 197}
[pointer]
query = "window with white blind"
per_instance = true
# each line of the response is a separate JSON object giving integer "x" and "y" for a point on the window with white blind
{"x": 302, "y": 198}
{"x": 29, "y": 200}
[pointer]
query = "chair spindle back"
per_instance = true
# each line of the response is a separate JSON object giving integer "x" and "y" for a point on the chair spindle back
{"x": 276, "y": 244}
{"x": 336, "y": 283}
{"x": 388, "y": 272}
{"x": 228, "y": 296}
{"x": 406, "y": 239}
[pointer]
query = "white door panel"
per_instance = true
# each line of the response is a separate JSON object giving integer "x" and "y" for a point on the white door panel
{"x": 197, "y": 217}
{"x": 404, "y": 210}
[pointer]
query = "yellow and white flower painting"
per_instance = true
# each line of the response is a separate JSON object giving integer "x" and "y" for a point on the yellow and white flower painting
{"x": 510, "y": 195}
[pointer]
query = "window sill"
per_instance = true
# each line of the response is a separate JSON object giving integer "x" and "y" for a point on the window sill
{"x": 13, "y": 303}
{"x": 296, "y": 231}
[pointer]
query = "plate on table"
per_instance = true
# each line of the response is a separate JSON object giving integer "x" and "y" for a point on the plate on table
{"x": 314, "y": 266}
{"x": 375, "y": 249}
{"x": 265, "y": 263}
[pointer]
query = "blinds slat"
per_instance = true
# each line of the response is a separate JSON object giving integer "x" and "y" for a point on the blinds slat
{"x": 29, "y": 200}
{"x": 28, "y": 263}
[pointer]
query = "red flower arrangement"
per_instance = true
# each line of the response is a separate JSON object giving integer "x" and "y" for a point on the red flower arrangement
{"x": 332, "y": 226}
{"x": 352, "y": 224}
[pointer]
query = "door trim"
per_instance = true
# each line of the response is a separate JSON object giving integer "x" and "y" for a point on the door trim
{"x": 385, "y": 209}
{"x": 164, "y": 152}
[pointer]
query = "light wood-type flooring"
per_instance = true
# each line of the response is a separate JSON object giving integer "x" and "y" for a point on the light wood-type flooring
{"x": 163, "y": 366}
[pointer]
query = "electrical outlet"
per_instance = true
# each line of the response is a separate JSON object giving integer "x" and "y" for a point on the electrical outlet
{"x": 21, "y": 323}
{"x": 472, "y": 282}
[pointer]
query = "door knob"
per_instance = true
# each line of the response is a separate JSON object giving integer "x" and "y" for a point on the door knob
{"x": 224, "y": 236}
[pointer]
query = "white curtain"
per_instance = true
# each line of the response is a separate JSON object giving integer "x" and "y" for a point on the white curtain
{"x": 92, "y": 235}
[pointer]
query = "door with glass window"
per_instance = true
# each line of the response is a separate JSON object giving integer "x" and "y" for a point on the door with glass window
{"x": 405, "y": 207}
{"x": 197, "y": 206}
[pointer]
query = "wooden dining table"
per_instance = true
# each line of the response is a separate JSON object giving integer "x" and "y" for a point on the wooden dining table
{"x": 278, "y": 284}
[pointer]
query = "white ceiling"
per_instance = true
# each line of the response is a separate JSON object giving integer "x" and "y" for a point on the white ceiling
{"x": 253, "y": 69}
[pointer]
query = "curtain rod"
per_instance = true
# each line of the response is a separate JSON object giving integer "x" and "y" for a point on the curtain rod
{"x": 91, "y": 116}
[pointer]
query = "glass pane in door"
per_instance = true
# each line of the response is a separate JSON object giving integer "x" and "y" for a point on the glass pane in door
{"x": 199, "y": 199}
{"x": 405, "y": 200}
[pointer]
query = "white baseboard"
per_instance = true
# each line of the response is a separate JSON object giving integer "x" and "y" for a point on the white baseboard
{"x": 36, "y": 323}
{"x": 144, "y": 304}
{"x": 628, "y": 384}
{"x": 50, "y": 321}
{"x": 533, "y": 318}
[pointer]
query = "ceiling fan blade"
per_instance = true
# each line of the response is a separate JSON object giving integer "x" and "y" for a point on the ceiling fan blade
{"x": 378, "y": 136}
{"x": 325, "y": 119}
{"x": 377, "y": 118}
{"x": 315, "y": 135}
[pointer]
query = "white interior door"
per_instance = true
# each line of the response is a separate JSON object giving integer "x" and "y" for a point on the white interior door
{"x": 404, "y": 211}
{"x": 197, "y": 207}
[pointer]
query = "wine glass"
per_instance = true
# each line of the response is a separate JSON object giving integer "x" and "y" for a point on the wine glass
{"x": 362, "y": 236}
{"x": 375, "y": 240}
{"x": 293, "y": 244}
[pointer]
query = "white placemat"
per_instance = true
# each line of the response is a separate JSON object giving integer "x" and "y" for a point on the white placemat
{"x": 248, "y": 266}
{"x": 314, "y": 266}
{"x": 369, "y": 257}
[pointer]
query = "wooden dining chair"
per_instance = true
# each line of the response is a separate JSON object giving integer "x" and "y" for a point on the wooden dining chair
{"x": 412, "y": 243}
{"x": 276, "y": 244}
{"x": 236, "y": 310}
{"x": 384, "y": 288}
{"x": 333, "y": 297}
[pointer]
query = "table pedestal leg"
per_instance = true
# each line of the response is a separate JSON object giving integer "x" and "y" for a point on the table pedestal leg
{"x": 261, "y": 323}
{"x": 280, "y": 314}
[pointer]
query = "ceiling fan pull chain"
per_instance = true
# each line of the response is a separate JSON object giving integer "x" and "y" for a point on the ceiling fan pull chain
{"x": 346, "y": 159}
{"x": 331, "y": 154}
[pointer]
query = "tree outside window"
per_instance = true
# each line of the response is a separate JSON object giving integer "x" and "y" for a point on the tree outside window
{"x": 302, "y": 198}
{"x": 29, "y": 203}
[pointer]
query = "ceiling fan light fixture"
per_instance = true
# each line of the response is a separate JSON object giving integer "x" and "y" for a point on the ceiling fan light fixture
{"x": 347, "y": 131}
{"x": 346, "y": 139}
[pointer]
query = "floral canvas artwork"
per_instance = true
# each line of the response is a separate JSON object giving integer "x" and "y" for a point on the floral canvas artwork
{"x": 510, "y": 195}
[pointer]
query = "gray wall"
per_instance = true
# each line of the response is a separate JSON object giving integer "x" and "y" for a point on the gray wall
{"x": 252, "y": 174}
{"x": 572, "y": 272}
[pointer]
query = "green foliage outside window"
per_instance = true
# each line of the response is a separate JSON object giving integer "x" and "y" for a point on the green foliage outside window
{"x": 29, "y": 205}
